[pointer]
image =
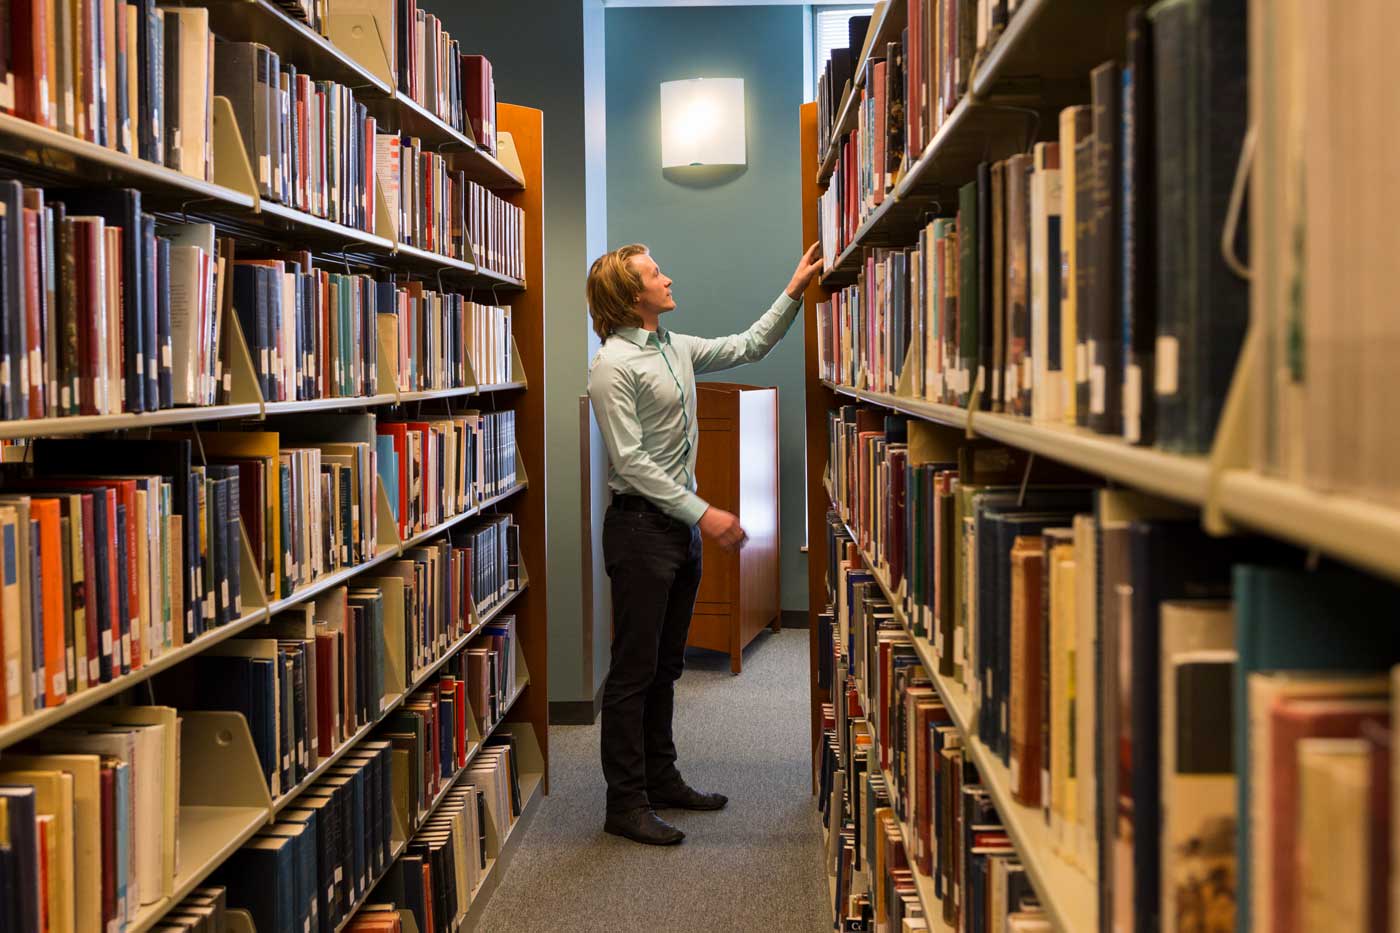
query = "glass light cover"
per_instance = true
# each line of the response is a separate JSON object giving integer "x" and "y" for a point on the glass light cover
{"x": 702, "y": 122}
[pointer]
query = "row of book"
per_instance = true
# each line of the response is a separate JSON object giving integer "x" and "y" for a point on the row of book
{"x": 1016, "y": 589}
{"x": 103, "y": 311}
{"x": 315, "y": 333}
{"x": 114, "y": 553}
{"x": 311, "y": 868}
{"x": 118, "y": 551}
{"x": 437, "y": 208}
{"x": 330, "y": 850}
{"x": 489, "y": 342}
{"x": 91, "y": 821}
{"x": 319, "y": 675}
{"x": 1082, "y": 282}
{"x": 130, "y": 76}
{"x": 137, "y": 78}
{"x": 961, "y": 847}
{"x": 308, "y": 687}
{"x": 446, "y": 860}
{"x": 309, "y": 143}
{"x": 923, "y": 75}
{"x": 494, "y": 543}
{"x": 205, "y": 910}
{"x": 445, "y": 465}
{"x": 457, "y": 87}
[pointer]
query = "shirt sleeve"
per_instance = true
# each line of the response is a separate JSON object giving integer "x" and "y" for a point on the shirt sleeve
{"x": 710, "y": 354}
{"x": 613, "y": 393}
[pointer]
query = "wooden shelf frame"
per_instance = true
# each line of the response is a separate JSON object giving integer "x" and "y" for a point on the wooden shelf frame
{"x": 212, "y": 831}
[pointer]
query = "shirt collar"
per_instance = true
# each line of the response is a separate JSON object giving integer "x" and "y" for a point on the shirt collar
{"x": 639, "y": 337}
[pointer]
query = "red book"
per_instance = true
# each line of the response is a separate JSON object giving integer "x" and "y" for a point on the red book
{"x": 1380, "y": 739}
{"x": 29, "y": 26}
{"x": 459, "y": 692}
{"x": 428, "y": 895}
{"x": 109, "y": 842}
{"x": 1294, "y": 720}
{"x": 121, "y": 491}
{"x": 479, "y": 97}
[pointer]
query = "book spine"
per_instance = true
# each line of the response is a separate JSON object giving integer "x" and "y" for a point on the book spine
{"x": 1105, "y": 318}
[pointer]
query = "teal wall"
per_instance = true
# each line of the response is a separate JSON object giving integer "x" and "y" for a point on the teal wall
{"x": 730, "y": 243}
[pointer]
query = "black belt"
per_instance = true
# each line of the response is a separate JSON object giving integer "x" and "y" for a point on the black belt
{"x": 630, "y": 503}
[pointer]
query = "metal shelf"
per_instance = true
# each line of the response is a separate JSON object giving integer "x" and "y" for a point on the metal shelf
{"x": 92, "y": 424}
{"x": 1173, "y": 476}
{"x": 480, "y": 166}
{"x": 287, "y": 219}
{"x": 1362, "y": 532}
{"x": 49, "y": 157}
{"x": 39, "y": 720}
{"x": 208, "y": 836}
{"x": 294, "y": 41}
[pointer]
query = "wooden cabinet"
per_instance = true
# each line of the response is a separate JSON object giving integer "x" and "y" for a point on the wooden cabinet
{"x": 737, "y": 470}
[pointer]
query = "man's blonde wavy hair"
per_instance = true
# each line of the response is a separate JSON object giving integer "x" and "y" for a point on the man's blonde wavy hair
{"x": 613, "y": 287}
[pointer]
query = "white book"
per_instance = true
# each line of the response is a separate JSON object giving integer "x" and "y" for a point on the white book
{"x": 142, "y": 748}
{"x": 187, "y": 301}
{"x": 193, "y": 309}
{"x": 191, "y": 109}
{"x": 1047, "y": 391}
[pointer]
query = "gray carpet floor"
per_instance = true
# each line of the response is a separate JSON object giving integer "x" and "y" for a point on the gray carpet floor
{"x": 754, "y": 866}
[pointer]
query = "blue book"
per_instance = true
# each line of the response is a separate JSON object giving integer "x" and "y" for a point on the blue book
{"x": 260, "y": 879}
{"x": 388, "y": 467}
{"x": 304, "y": 881}
{"x": 122, "y": 791}
{"x": 21, "y": 802}
{"x": 36, "y": 614}
{"x": 1293, "y": 620}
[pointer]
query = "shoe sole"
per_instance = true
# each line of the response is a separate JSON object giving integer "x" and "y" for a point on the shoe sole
{"x": 677, "y": 806}
{"x": 646, "y": 842}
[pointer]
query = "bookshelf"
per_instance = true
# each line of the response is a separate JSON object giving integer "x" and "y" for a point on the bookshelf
{"x": 224, "y": 796}
{"x": 1223, "y": 490}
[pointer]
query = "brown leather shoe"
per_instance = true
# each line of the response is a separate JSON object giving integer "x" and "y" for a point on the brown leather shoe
{"x": 642, "y": 825}
{"x": 686, "y": 797}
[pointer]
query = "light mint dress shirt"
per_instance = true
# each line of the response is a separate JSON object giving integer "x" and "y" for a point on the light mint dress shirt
{"x": 642, "y": 385}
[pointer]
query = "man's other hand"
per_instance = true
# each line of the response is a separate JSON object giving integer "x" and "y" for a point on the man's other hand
{"x": 723, "y": 528}
{"x": 808, "y": 266}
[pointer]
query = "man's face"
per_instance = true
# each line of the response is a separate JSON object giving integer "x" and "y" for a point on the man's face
{"x": 655, "y": 296}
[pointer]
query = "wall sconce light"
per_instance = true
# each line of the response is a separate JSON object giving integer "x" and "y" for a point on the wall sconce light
{"x": 702, "y": 122}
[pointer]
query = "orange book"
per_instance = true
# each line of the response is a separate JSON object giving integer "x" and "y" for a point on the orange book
{"x": 47, "y": 513}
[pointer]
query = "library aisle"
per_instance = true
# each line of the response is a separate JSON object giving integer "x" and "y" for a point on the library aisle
{"x": 756, "y": 865}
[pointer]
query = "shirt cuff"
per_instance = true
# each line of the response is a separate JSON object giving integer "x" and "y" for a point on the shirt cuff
{"x": 690, "y": 509}
{"x": 787, "y": 301}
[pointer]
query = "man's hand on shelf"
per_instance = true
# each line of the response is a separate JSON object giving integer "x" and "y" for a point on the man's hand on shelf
{"x": 808, "y": 266}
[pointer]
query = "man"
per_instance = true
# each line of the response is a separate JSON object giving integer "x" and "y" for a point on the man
{"x": 642, "y": 385}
